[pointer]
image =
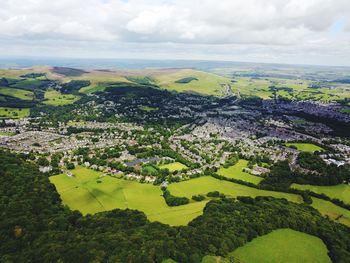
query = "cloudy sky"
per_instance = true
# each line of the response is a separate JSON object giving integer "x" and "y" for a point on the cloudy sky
{"x": 283, "y": 31}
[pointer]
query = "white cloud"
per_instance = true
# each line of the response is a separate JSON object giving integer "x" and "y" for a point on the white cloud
{"x": 269, "y": 28}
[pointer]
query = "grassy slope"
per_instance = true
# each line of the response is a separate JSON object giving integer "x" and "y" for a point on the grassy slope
{"x": 55, "y": 98}
{"x": 283, "y": 245}
{"x": 11, "y": 113}
{"x": 305, "y": 147}
{"x": 335, "y": 212}
{"x": 236, "y": 172}
{"x": 17, "y": 93}
{"x": 176, "y": 166}
{"x": 341, "y": 191}
{"x": 83, "y": 193}
{"x": 205, "y": 184}
{"x": 207, "y": 83}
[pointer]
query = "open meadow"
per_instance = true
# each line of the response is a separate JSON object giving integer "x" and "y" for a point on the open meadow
{"x": 305, "y": 147}
{"x": 172, "y": 167}
{"x": 334, "y": 212}
{"x": 283, "y": 245}
{"x": 55, "y": 98}
{"x": 90, "y": 193}
{"x": 13, "y": 113}
{"x": 341, "y": 191}
{"x": 205, "y": 184}
{"x": 17, "y": 93}
{"x": 236, "y": 172}
{"x": 202, "y": 82}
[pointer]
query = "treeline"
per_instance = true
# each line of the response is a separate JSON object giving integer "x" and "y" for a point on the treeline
{"x": 36, "y": 227}
{"x": 174, "y": 200}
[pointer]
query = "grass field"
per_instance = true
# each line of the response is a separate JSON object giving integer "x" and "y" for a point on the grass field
{"x": 334, "y": 212}
{"x": 13, "y": 113}
{"x": 305, "y": 147}
{"x": 205, "y": 184}
{"x": 55, "y": 98}
{"x": 283, "y": 245}
{"x": 7, "y": 133}
{"x": 83, "y": 192}
{"x": 207, "y": 83}
{"x": 148, "y": 108}
{"x": 17, "y": 93}
{"x": 340, "y": 191}
{"x": 176, "y": 166}
{"x": 236, "y": 172}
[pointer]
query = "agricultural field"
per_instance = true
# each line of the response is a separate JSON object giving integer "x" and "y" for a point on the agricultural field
{"x": 283, "y": 245}
{"x": 341, "y": 191}
{"x": 206, "y": 83}
{"x": 90, "y": 193}
{"x": 17, "y": 93}
{"x": 13, "y": 113}
{"x": 305, "y": 147}
{"x": 176, "y": 166}
{"x": 205, "y": 184}
{"x": 236, "y": 172}
{"x": 334, "y": 212}
{"x": 55, "y": 98}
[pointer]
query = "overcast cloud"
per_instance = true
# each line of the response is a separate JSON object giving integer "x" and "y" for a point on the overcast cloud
{"x": 284, "y": 31}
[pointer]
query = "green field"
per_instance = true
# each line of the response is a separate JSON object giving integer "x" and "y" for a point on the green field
{"x": 340, "y": 191}
{"x": 334, "y": 212}
{"x": 236, "y": 172}
{"x": 176, "y": 166}
{"x": 55, "y": 98}
{"x": 7, "y": 133}
{"x": 13, "y": 113}
{"x": 148, "y": 108}
{"x": 207, "y": 83}
{"x": 205, "y": 184}
{"x": 17, "y": 93}
{"x": 83, "y": 192}
{"x": 283, "y": 245}
{"x": 305, "y": 147}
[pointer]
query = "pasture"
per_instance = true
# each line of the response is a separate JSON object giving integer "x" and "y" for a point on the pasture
{"x": 172, "y": 167}
{"x": 334, "y": 212}
{"x": 305, "y": 147}
{"x": 236, "y": 172}
{"x": 90, "y": 193}
{"x": 283, "y": 245}
{"x": 55, "y": 98}
{"x": 13, "y": 113}
{"x": 17, "y": 93}
{"x": 205, "y": 184}
{"x": 340, "y": 191}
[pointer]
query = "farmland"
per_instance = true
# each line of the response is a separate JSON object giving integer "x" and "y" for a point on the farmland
{"x": 341, "y": 191}
{"x": 283, "y": 245}
{"x": 305, "y": 147}
{"x": 55, "y": 98}
{"x": 236, "y": 172}
{"x": 17, "y": 93}
{"x": 90, "y": 193}
{"x": 205, "y": 184}
{"x": 13, "y": 113}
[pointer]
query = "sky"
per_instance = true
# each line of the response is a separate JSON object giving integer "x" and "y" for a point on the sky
{"x": 276, "y": 31}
